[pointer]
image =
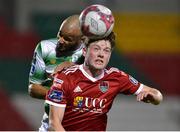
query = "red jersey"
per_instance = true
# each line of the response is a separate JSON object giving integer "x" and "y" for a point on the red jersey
{"x": 88, "y": 99}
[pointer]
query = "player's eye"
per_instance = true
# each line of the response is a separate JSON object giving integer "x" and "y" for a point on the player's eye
{"x": 96, "y": 48}
{"x": 69, "y": 39}
{"x": 107, "y": 50}
{"x": 59, "y": 34}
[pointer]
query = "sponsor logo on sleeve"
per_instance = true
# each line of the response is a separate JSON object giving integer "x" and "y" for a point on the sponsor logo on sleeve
{"x": 56, "y": 95}
{"x": 57, "y": 82}
{"x": 133, "y": 80}
{"x": 33, "y": 66}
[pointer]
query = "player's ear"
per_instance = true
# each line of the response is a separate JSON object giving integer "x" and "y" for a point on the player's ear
{"x": 84, "y": 39}
{"x": 84, "y": 51}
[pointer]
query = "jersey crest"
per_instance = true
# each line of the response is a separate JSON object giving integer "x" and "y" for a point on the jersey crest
{"x": 104, "y": 86}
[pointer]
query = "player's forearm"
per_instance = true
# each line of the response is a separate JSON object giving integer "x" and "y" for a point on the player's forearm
{"x": 55, "y": 126}
{"x": 55, "y": 118}
{"x": 37, "y": 91}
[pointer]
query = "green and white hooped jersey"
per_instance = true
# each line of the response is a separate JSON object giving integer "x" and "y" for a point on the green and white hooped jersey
{"x": 45, "y": 60}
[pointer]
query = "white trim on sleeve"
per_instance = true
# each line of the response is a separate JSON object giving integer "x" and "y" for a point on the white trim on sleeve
{"x": 139, "y": 89}
{"x": 55, "y": 104}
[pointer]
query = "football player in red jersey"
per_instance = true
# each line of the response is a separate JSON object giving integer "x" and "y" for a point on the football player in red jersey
{"x": 82, "y": 95}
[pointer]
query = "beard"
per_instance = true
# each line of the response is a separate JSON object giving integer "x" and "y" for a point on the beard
{"x": 60, "y": 49}
{"x": 64, "y": 50}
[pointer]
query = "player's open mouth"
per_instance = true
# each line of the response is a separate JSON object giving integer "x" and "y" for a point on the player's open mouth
{"x": 99, "y": 61}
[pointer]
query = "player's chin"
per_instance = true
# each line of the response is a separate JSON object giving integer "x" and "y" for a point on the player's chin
{"x": 99, "y": 66}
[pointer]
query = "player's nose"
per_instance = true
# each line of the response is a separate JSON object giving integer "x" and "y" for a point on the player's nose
{"x": 61, "y": 40}
{"x": 100, "y": 54}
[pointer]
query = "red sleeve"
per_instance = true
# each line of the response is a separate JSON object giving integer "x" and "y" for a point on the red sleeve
{"x": 128, "y": 84}
{"x": 57, "y": 95}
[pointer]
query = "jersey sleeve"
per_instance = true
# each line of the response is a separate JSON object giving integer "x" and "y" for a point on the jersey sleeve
{"x": 37, "y": 71}
{"x": 58, "y": 93}
{"x": 129, "y": 85}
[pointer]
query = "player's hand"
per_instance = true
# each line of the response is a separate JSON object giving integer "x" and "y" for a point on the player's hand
{"x": 63, "y": 65}
{"x": 150, "y": 95}
{"x": 145, "y": 96}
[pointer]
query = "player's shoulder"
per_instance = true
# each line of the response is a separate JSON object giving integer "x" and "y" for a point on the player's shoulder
{"x": 48, "y": 42}
{"x": 115, "y": 71}
{"x": 71, "y": 70}
{"x": 46, "y": 46}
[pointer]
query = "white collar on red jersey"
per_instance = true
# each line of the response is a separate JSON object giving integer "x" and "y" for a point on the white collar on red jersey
{"x": 93, "y": 79}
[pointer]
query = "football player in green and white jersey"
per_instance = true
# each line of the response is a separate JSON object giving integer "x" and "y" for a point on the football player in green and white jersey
{"x": 49, "y": 54}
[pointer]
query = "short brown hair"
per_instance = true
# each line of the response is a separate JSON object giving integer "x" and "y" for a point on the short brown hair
{"x": 111, "y": 37}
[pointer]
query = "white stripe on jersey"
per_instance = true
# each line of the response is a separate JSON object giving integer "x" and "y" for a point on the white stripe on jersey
{"x": 112, "y": 69}
{"x": 55, "y": 104}
{"x": 71, "y": 69}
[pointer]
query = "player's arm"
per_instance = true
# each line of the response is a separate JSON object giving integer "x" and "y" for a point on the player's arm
{"x": 57, "y": 99}
{"x": 55, "y": 118}
{"x": 36, "y": 75}
{"x": 150, "y": 95}
{"x": 37, "y": 91}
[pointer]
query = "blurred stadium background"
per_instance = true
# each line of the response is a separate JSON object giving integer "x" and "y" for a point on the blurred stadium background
{"x": 148, "y": 48}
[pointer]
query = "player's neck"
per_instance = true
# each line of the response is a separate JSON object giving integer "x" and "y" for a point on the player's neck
{"x": 93, "y": 72}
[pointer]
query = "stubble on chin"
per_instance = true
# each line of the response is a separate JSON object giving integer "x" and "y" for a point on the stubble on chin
{"x": 59, "y": 50}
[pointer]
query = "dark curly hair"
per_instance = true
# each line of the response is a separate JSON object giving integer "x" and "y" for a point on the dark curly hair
{"x": 111, "y": 37}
